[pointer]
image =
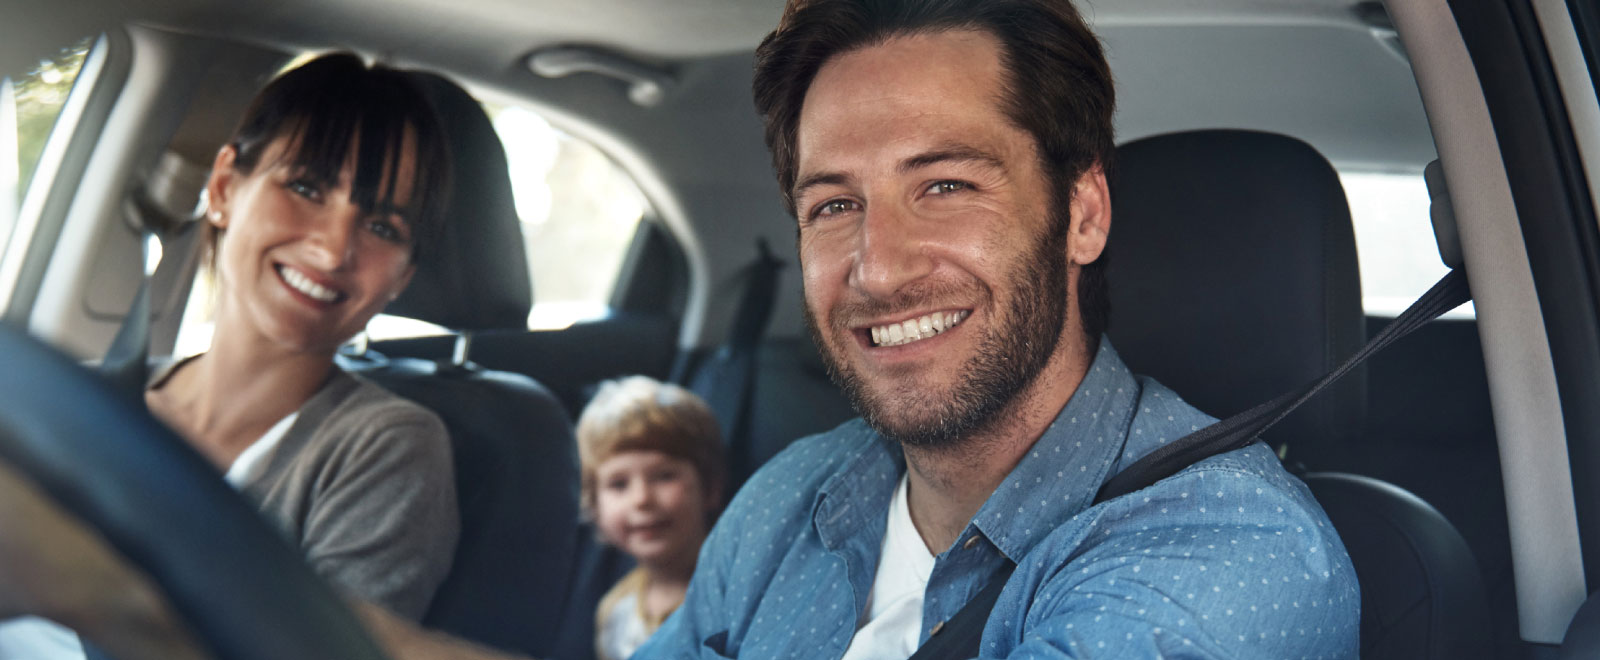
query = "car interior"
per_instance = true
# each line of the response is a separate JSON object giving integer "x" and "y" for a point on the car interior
{"x": 1291, "y": 173}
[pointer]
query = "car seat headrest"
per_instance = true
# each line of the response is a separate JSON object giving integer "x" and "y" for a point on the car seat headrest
{"x": 476, "y": 276}
{"x": 1233, "y": 278}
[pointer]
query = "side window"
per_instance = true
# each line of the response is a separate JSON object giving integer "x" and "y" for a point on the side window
{"x": 1394, "y": 238}
{"x": 579, "y": 213}
{"x": 30, "y": 102}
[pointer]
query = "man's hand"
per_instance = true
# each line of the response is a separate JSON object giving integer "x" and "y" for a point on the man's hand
{"x": 52, "y": 566}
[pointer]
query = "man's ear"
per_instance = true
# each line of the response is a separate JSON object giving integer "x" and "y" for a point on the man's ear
{"x": 1091, "y": 217}
{"x": 219, "y": 187}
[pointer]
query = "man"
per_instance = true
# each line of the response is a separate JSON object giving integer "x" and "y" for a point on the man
{"x": 945, "y": 162}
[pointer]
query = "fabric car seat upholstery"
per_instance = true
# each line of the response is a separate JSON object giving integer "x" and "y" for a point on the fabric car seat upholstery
{"x": 515, "y": 458}
{"x": 1233, "y": 278}
{"x": 1426, "y": 601}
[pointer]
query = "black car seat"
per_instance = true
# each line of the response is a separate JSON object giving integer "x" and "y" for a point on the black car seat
{"x": 515, "y": 459}
{"x": 1233, "y": 278}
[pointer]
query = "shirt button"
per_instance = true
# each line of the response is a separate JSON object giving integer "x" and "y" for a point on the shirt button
{"x": 936, "y": 628}
{"x": 971, "y": 541}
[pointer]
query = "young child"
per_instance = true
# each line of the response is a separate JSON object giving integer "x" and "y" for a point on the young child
{"x": 652, "y": 481}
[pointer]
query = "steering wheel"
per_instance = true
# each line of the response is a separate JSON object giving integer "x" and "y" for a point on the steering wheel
{"x": 238, "y": 585}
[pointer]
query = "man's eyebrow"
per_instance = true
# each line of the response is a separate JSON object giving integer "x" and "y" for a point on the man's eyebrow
{"x": 951, "y": 153}
{"x": 818, "y": 179}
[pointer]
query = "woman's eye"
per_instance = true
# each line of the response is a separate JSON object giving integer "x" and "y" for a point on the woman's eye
{"x": 945, "y": 187}
{"x": 386, "y": 230}
{"x": 304, "y": 189}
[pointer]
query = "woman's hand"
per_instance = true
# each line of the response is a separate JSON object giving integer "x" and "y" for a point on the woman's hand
{"x": 53, "y": 566}
{"x": 404, "y": 641}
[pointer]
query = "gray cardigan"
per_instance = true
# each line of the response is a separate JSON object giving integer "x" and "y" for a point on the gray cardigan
{"x": 364, "y": 485}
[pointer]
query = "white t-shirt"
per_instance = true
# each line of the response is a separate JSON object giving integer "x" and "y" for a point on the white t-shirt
{"x": 892, "y": 624}
{"x": 623, "y": 631}
{"x": 33, "y": 638}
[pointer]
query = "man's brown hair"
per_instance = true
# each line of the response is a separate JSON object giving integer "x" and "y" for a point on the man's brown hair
{"x": 1058, "y": 86}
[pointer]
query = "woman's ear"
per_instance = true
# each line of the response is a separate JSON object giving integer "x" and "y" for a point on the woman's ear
{"x": 219, "y": 187}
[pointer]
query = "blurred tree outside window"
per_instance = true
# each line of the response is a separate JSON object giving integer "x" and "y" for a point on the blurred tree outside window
{"x": 37, "y": 97}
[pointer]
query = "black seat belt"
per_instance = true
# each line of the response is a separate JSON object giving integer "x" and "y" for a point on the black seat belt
{"x": 127, "y": 362}
{"x": 961, "y": 634}
{"x": 1242, "y": 429}
{"x": 727, "y": 378}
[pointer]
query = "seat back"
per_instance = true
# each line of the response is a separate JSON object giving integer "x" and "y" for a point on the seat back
{"x": 515, "y": 458}
{"x": 1233, "y": 278}
{"x": 1422, "y": 593}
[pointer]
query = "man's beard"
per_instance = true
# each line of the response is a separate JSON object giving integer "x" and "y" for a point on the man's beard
{"x": 1010, "y": 355}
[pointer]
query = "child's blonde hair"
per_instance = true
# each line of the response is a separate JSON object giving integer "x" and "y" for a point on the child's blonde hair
{"x": 639, "y": 413}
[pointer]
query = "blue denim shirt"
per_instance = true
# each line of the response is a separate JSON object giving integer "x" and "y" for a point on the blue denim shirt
{"x": 1230, "y": 558}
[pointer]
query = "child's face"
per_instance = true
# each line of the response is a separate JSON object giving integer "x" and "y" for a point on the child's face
{"x": 651, "y": 505}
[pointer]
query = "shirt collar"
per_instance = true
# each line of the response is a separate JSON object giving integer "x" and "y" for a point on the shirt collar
{"x": 1054, "y": 481}
{"x": 1059, "y": 476}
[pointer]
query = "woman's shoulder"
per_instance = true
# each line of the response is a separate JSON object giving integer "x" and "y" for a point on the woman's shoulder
{"x": 351, "y": 406}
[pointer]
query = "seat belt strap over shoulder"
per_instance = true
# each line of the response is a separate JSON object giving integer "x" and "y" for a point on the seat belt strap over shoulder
{"x": 1242, "y": 429}
{"x": 961, "y": 635}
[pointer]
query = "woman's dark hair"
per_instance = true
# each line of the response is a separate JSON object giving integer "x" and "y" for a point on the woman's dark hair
{"x": 335, "y": 102}
{"x": 1058, "y": 86}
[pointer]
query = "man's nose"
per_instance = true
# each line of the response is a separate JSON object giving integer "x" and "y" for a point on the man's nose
{"x": 890, "y": 252}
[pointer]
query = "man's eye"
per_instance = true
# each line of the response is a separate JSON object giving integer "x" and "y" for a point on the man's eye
{"x": 945, "y": 187}
{"x": 305, "y": 189}
{"x": 835, "y": 207}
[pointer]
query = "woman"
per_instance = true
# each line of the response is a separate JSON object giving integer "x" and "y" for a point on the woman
{"x": 319, "y": 207}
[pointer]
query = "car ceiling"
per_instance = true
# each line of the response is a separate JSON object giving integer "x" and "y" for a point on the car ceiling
{"x": 1309, "y": 68}
{"x": 1180, "y": 63}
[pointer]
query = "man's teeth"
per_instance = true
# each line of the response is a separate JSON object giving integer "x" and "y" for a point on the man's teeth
{"x": 905, "y": 332}
{"x": 304, "y": 285}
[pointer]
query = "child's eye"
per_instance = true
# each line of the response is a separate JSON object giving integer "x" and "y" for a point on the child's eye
{"x": 616, "y": 484}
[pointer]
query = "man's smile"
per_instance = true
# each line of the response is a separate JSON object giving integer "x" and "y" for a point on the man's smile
{"x": 915, "y": 329}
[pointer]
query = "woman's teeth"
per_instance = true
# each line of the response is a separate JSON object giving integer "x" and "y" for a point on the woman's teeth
{"x": 303, "y": 284}
{"x": 905, "y": 332}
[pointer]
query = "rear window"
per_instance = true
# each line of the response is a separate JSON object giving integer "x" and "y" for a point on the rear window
{"x": 1394, "y": 241}
{"x": 579, "y": 212}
